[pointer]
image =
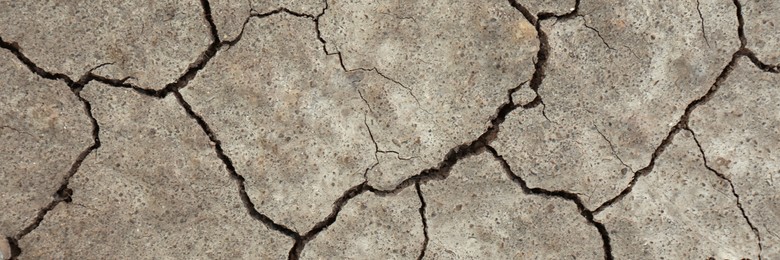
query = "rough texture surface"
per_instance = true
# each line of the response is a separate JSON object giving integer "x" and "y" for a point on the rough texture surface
{"x": 295, "y": 125}
{"x": 739, "y": 132}
{"x": 354, "y": 129}
{"x": 631, "y": 71}
{"x": 681, "y": 210}
{"x": 155, "y": 184}
{"x": 477, "y": 212}
{"x": 453, "y": 63}
{"x": 762, "y": 29}
{"x": 43, "y": 128}
{"x": 151, "y": 41}
{"x": 373, "y": 227}
{"x": 551, "y": 155}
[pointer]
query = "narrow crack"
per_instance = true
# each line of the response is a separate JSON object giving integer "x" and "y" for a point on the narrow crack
{"x": 423, "y": 219}
{"x": 733, "y": 192}
{"x": 701, "y": 17}
{"x": 378, "y": 150}
{"x": 612, "y": 147}
{"x": 316, "y": 20}
{"x": 562, "y": 194}
{"x": 585, "y": 23}
{"x": 239, "y": 179}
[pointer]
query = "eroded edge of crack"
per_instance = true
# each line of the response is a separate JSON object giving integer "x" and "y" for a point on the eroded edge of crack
{"x": 238, "y": 178}
{"x": 562, "y": 194}
{"x": 733, "y": 191}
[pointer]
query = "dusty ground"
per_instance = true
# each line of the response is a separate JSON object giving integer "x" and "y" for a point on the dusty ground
{"x": 359, "y": 129}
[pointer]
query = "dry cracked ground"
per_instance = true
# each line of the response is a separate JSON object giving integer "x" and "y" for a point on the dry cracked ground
{"x": 245, "y": 129}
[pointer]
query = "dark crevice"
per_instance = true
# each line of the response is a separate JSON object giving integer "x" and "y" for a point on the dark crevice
{"x": 571, "y": 14}
{"x": 300, "y": 242}
{"x": 240, "y": 180}
{"x": 441, "y": 171}
{"x": 741, "y": 25}
{"x": 759, "y": 64}
{"x": 733, "y": 192}
{"x": 210, "y": 20}
{"x": 701, "y": 18}
{"x": 16, "y": 51}
{"x": 587, "y": 214}
{"x": 424, "y": 221}
{"x": 743, "y": 44}
{"x": 63, "y": 193}
{"x": 179, "y": 83}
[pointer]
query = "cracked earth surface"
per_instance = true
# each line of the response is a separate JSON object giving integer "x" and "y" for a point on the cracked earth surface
{"x": 246, "y": 129}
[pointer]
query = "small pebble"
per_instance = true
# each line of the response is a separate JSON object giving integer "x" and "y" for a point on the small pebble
{"x": 5, "y": 249}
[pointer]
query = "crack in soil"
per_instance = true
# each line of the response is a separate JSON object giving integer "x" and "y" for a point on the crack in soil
{"x": 438, "y": 172}
{"x": 585, "y": 23}
{"x": 324, "y": 43}
{"x": 63, "y": 193}
{"x": 612, "y": 147}
{"x": 423, "y": 219}
{"x": 733, "y": 192}
{"x": 562, "y": 194}
{"x": 682, "y": 123}
{"x": 701, "y": 17}
{"x": 240, "y": 180}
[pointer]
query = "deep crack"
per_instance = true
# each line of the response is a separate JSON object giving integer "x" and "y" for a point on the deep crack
{"x": 423, "y": 219}
{"x": 300, "y": 243}
{"x": 562, "y": 194}
{"x": 63, "y": 193}
{"x": 240, "y": 180}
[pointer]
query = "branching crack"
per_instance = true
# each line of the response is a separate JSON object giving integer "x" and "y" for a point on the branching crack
{"x": 682, "y": 123}
{"x": 733, "y": 192}
{"x": 585, "y": 212}
{"x": 301, "y": 241}
{"x": 316, "y": 20}
{"x": 63, "y": 193}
